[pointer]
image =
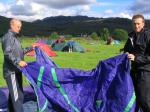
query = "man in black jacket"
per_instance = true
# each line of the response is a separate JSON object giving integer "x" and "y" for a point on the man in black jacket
{"x": 138, "y": 47}
{"x": 13, "y": 59}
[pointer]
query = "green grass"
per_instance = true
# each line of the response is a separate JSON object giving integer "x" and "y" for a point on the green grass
{"x": 86, "y": 61}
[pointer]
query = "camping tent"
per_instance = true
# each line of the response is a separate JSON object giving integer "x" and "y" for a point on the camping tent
{"x": 50, "y": 42}
{"x": 106, "y": 88}
{"x": 74, "y": 47}
{"x": 111, "y": 41}
{"x": 68, "y": 46}
{"x": 46, "y": 48}
{"x": 59, "y": 46}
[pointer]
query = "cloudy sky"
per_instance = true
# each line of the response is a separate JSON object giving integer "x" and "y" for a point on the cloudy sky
{"x": 30, "y": 10}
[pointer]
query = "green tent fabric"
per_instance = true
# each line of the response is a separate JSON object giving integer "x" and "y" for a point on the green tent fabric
{"x": 70, "y": 46}
{"x": 50, "y": 42}
{"x": 75, "y": 46}
{"x": 59, "y": 46}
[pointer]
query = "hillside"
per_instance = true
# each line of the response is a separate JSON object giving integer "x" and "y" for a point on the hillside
{"x": 83, "y": 24}
{"x": 74, "y": 25}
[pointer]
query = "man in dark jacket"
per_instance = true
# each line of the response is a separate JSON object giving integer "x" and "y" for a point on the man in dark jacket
{"x": 138, "y": 47}
{"x": 13, "y": 59}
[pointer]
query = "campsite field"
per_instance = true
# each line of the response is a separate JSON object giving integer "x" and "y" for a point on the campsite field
{"x": 96, "y": 51}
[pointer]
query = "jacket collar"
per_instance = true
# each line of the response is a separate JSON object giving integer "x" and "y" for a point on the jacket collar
{"x": 12, "y": 32}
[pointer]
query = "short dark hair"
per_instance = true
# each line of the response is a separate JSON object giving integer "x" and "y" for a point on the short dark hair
{"x": 138, "y": 16}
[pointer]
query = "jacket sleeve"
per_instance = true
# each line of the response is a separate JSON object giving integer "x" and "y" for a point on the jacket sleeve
{"x": 7, "y": 46}
{"x": 141, "y": 59}
{"x": 27, "y": 49}
{"x": 128, "y": 46}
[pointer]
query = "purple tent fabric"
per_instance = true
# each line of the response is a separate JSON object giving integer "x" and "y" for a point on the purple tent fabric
{"x": 106, "y": 88}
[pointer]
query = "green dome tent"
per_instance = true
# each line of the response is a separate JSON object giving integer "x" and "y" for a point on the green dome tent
{"x": 70, "y": 46}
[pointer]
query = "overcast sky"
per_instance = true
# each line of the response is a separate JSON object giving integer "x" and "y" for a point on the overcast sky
{"x": 30, "y": 10}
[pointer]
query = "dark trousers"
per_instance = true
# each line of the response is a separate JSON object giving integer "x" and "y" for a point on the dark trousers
{"x": 15, "y": 101}
{"x": 141, "y": 81}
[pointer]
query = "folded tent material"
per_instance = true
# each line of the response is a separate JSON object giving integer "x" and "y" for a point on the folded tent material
{"x": 106, "y": 88}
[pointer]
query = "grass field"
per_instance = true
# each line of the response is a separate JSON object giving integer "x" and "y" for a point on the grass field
{"x": 97, "y": 50}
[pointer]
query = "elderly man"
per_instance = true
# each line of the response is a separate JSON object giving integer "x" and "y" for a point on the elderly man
{"x": 138, "y": 47}
{"x": 13, "y": 59}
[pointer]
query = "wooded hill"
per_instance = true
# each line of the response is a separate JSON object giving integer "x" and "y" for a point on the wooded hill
{"x": 74, "y": 25}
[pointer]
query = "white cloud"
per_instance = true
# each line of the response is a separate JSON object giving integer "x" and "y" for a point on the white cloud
{"x": 86, "y": 8}
{"x": 109, "y": 11}
{"x": 125, "y": 15}
{"x": 19, "y": 2}
{"x": 103, "y": 4}
{"x": 30, "y": 10}
{"x": 2, "y": 7}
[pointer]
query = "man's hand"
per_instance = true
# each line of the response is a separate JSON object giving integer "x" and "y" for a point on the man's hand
{"x": 22, "y": 63}
{"x": 131, "y": 57}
